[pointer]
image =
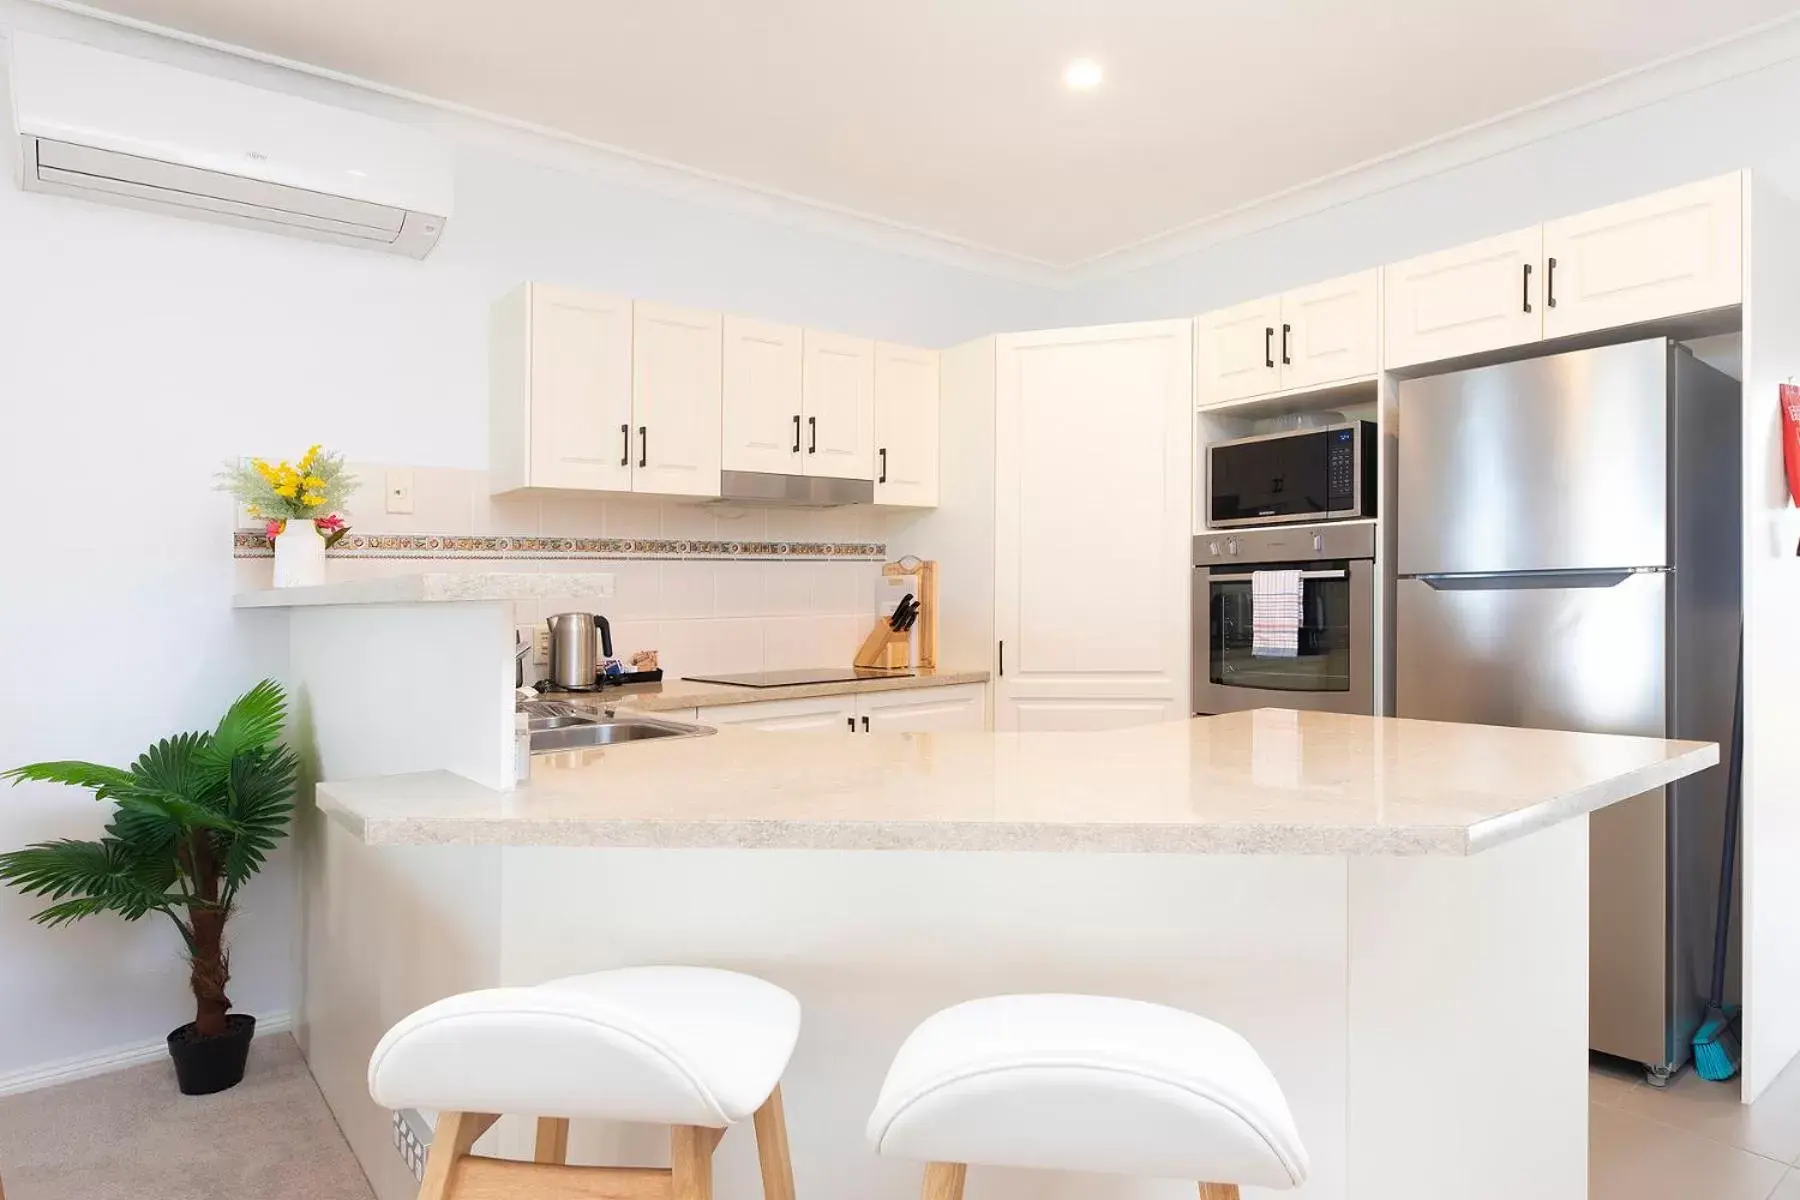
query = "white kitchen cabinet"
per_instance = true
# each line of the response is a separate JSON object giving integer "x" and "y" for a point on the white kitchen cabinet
{"x": 838, "y": 386}
{"x": 906, "y": 426}
{"x": 1234, "y": 352}
{"x": 762, "y": 397}
{"x": 960, "y": 708}
{"x": 1308, "y": 338}
{"x": 676, "y": 390}
{"x": 1330, "y": 332}
{"x": 821, "y": 714}
{"x": 560, "y": 378}
{"x": 1091, "y": 596}
{"x": 1483, "y": 296}
{"x": 1677, "y": 252}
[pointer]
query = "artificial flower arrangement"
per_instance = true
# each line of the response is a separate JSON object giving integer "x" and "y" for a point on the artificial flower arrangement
{"x": 313, "y": 490}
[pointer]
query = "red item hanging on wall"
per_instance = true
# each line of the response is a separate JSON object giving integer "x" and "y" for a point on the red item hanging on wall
{"x": 1790, "y": 437}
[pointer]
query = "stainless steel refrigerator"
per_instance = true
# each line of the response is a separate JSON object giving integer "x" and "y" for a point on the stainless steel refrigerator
{"x": 1569, "y": 557}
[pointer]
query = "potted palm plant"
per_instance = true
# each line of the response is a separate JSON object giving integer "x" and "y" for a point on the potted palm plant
{"x": 193, "y": 820}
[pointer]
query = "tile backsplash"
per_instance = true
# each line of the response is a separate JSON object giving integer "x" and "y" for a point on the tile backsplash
{"x": 712, "y": 588}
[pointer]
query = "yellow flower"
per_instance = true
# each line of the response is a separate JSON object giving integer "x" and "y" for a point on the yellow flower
{"x": 287, "y": 491}
{"x": 312, "y": 500}
{"x": 313, "y": 481}
{"x": 306, "y": 460}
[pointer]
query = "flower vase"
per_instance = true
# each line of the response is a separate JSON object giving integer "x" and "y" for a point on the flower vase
{"x": 299, "y": 555}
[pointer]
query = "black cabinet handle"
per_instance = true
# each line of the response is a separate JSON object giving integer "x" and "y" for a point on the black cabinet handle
{"x": 883, "y": 478}
{"x": 1285, "y": 330}
{"x": 1527, "y": 287}
{"x": 643, "y": 445}
{"x": 812, "y": 424}
{"x": 625, "y": 458}
{"x": 796, "y": 433}
{"x": 1550, "y": 284}
{"x": 865, "y": 724}
{"x": 851, "y": 722}
{"x": 1269, "y": 346}
{"x": 1002, "y": 659}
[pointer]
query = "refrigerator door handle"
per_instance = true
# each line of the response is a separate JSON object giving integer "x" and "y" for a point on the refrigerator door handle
{"x": 1522, "y": 580}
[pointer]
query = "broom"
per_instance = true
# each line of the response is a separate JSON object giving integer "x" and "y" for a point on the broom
{"x": 1716, "y": 1049}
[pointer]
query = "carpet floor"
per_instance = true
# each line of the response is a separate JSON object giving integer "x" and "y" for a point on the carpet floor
{"x": 132, "y": 1136}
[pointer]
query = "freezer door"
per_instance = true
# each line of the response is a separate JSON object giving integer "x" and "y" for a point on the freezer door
{"x": 1550, "y": 464}
{"x": 1584, "y": 652}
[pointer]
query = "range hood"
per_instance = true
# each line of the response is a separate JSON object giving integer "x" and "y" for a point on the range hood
{"x": 798, "y": 491}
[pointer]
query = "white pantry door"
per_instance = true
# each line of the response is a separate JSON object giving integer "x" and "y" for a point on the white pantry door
{"x": 580, "y": 397}
{"x": 1092, "y": 526}
{"x": 677, "y": 382}
{"x": 762, "y": 397}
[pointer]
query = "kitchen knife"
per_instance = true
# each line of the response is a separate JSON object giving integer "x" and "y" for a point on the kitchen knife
{"x": 900, "y": 612}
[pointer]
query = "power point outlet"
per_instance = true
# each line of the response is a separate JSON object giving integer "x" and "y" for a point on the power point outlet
{"x": 400, "y": 491}
{"x": 540, "y": 643}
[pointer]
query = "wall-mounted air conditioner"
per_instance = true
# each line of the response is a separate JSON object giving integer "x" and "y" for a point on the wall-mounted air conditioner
{"x": 125, "y": 131}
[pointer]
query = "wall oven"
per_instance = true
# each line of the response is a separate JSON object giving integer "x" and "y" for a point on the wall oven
{"x": 1334, "y": 670}
{"x": 1304, "y": 475}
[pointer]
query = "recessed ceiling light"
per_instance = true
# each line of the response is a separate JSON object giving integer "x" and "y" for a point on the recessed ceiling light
{"x": 1083, "y": 74}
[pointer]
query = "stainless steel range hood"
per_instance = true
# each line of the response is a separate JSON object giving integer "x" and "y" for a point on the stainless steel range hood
{"x": 797, "y": 491}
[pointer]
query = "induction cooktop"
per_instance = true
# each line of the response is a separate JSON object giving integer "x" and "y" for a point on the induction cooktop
{"x": 775, "y": 679}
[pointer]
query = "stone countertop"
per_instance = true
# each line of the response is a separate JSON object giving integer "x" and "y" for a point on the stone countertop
{"x": 1265, "y": 782}
{"x": 675, "y": 695}
{"x": 435, "y": 588}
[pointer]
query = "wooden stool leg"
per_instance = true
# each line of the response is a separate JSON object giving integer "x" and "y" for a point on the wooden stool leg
{"x": 771, "y": 1149}
{"x": 690, "y": 1161}
{"x": 944, "y": 1181}
{"x": 552, "y": 1140}
{"x": 1218, "y": 1191}
{"x": 456, "y": 1132}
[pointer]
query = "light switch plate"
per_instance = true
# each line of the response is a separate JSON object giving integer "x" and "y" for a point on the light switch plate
{"x": 400, "y": 491}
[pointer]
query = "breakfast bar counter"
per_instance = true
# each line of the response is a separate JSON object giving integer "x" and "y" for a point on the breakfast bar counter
{"x": 1393, "y": 912}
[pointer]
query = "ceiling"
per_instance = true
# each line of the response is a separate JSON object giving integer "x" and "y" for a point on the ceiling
{"x": 951, "y": 117}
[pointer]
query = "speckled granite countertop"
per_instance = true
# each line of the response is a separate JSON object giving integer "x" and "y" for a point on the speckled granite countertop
{"x": 673, "y": 695}
{"x": 1264, "y": 782}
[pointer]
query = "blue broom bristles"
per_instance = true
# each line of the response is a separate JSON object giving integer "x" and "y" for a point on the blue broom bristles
{"x": 1716, "y": 1048}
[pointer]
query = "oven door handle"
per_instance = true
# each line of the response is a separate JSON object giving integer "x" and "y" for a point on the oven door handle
{"x": 1247, "y": 576}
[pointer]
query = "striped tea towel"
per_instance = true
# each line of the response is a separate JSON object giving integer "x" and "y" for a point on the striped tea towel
{"x": 1275, "y": 614}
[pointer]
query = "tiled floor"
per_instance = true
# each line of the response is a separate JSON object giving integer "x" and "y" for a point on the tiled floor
{"x": 1692, "y": 1140}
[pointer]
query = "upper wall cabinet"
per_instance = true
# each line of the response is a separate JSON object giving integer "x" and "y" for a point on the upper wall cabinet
{"x": 1309, "y": 338}
{"x": 906, "y": 426}
{"x": 763, "y": 418}
{"x": 838, "y": 392}
{"x": 596, "y": 393}
{"x": 1676, "y": 252}
{"x": 1668, "y": 255}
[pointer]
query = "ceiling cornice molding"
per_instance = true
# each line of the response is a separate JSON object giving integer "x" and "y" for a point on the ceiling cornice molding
{"x": 1751, "y": 50}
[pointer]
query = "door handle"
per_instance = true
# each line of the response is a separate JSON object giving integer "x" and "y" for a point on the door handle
{"x": 1285, "y": 330}
{"x": 1529, "y": 580}
{"x": 1550, "y": 283}
{"x": 796, "y": 433}
{"x": 625, "y": 458}
{"x": 813, "y": 425}
{"x": 1269, "y": 346}
{"x": 883, "y": 478}
{"x": 865, "y": 724}
{"x": 851, "y": 722}
{"x": 1003, "y": 659}
{"x": 643, "y": 445}
{"x": 1247, "y": 577}
{"x": 1527, "y": 287}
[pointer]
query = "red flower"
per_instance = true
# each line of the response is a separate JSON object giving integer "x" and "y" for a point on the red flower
{"x": 273, "y": 529}
{"x": 331, "y": 524}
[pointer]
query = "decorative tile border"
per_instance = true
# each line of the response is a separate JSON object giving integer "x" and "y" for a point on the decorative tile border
{"x": 250, "y": 543}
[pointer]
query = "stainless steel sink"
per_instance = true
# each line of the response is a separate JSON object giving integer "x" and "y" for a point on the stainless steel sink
{"x": 609, "y": 731}
{"x": 539, "y": 724}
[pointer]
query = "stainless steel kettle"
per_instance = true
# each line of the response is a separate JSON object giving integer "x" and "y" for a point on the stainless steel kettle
{"x": 578, "y": 641}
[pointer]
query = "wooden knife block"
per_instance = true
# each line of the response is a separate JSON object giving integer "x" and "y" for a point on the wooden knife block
{"x": 884, "y": 649}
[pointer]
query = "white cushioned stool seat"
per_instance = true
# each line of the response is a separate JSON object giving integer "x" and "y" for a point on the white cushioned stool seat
{"x": 1088, "y": 1083}
{"x": 662, "y": 1045}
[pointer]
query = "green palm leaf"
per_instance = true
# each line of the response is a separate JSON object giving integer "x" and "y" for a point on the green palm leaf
{"x": 260, "y": 791}
{"x": 173, "y": 781}
{"x": 104, "y": 782}
{"x": 253, "y": 722}
{"x": 93, "y": 877}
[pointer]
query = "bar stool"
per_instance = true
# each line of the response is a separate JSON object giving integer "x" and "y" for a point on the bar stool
{"x": 688, "y": 1047}
{"x": 1086, "y": 1083}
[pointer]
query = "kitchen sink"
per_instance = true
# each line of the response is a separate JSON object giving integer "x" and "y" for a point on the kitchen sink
{"x": 608, "y": 731}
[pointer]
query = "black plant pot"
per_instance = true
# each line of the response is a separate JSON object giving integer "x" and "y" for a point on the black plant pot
{"x": 204, "y": 1065}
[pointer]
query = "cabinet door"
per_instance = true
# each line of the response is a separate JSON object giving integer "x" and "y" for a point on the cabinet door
{"x": 676, "y": 388}
{"x": 1666, "y": 255}
{"x": 579, "y": 395}
{"x": 762, "y": 417}
{"x": 962, "y": 708}
{"x": 1483, "y": 296}
{"x": 825, "y": 714}
{"x": 1235, "y": 352}
{"x": 839, "y": 388}
{"x": 1092, "y": 541}
{"x": 1329, "y": 332}
{"x": 906, "y": 426}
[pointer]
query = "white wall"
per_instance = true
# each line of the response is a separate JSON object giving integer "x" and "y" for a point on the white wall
{"x": 138, "y": 352}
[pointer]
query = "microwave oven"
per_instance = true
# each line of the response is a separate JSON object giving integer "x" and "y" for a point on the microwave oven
{"x": 1325, "y": 474}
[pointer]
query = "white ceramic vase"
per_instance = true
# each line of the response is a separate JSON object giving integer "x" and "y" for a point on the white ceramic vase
{"x": 299, "y": 555}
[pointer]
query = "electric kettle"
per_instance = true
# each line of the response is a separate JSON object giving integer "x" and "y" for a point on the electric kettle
{"x": 578, "y": 641}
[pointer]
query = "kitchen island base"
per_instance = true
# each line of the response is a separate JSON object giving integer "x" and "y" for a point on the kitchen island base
{"x": 1427, "y": 1016}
